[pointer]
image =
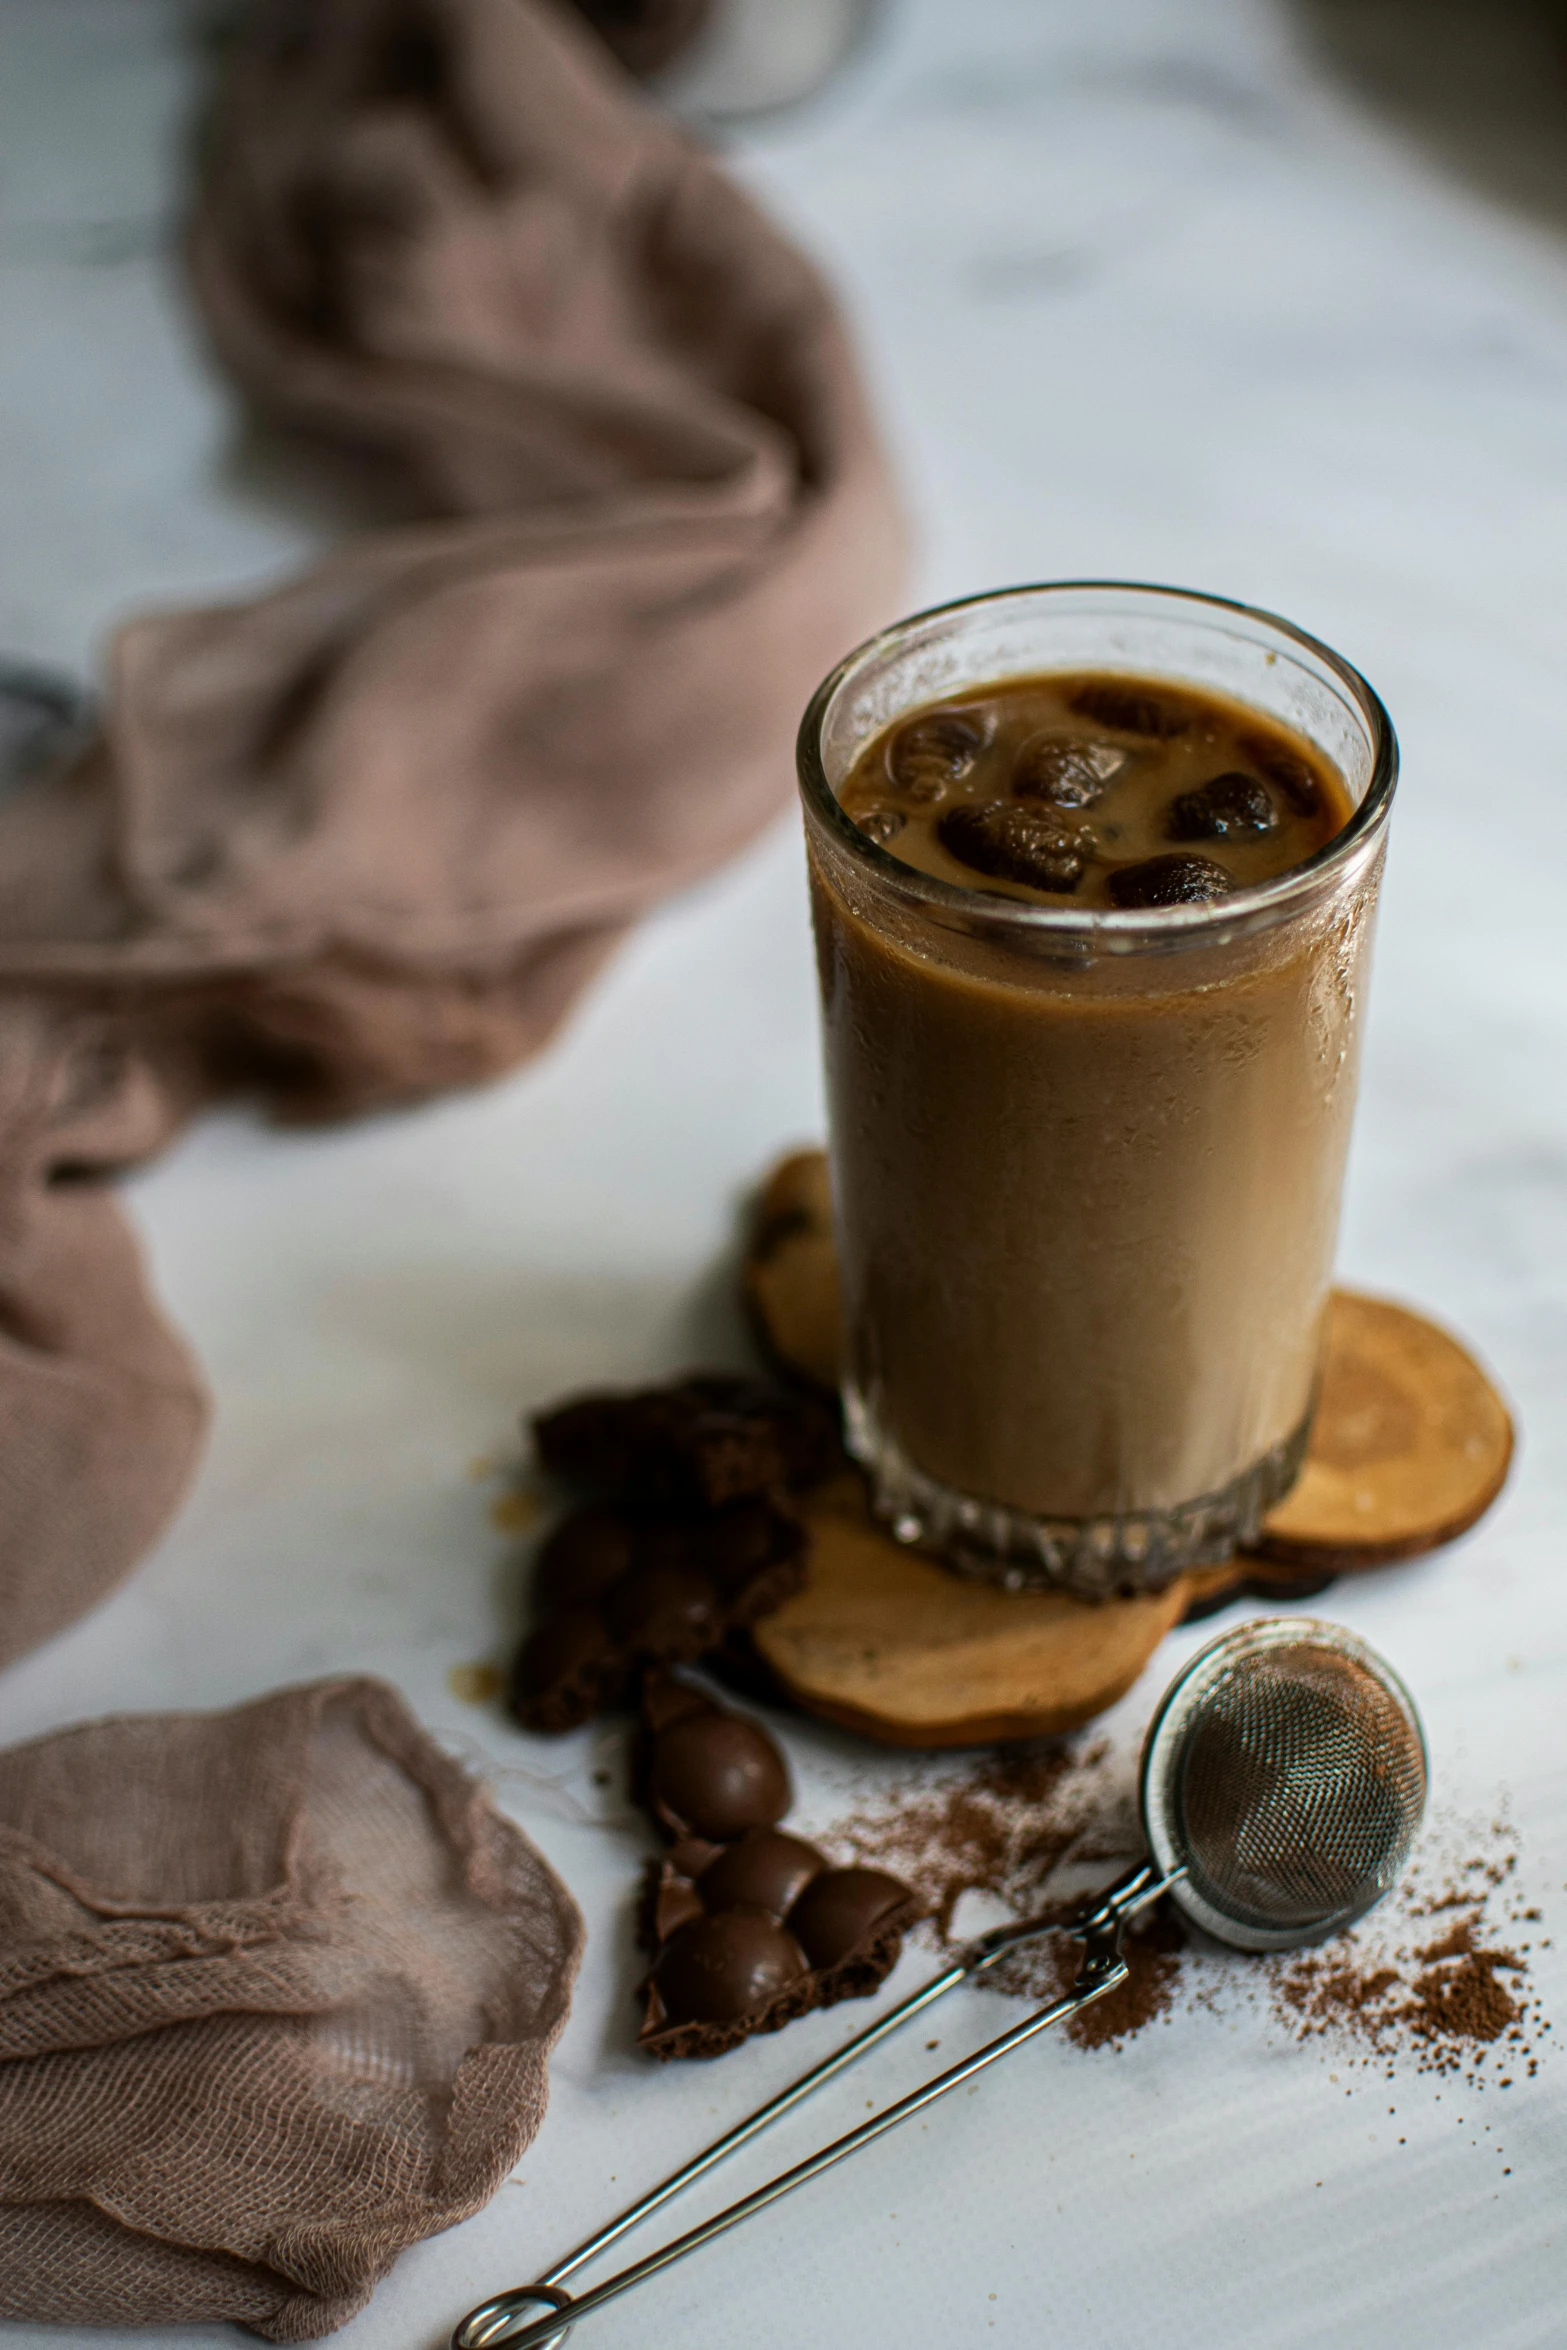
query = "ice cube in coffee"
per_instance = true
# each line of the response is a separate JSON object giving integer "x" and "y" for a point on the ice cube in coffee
{"x": 1091, "y": 939}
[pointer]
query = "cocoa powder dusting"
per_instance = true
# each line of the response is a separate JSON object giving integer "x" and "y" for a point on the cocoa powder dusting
{"x": 1004, "y": 1829}
{"x": 1458, "y": 2001}
{"x": 1434, "y": 1980}
{"x": 1031, "y": 1830}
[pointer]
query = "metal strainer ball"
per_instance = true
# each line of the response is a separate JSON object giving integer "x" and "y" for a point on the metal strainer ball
{"x": 1283, "y": 1782}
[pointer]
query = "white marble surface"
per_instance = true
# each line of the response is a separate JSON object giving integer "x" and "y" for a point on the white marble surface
{"x": 1145, "y": 293}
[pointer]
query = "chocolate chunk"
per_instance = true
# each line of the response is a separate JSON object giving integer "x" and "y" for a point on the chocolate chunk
{"x": 781, "y": 1930}
{"x": 702, "y": 1442}
{"x": 717, "y": 1970}
{"x": 693, "y": 1854}
{"x": 1169, "y": 881}
{"x": 619, "y": 1590}
{"x": 674, "y": 1902}
{"x": 1130, "y": 710}
{"x": 585, "y": 1554}
{"x": 883, "y": 824}
{"x": 927, "y": 754}
{"x": 1016, "y": 844}
{"x": 1293, "y": 777}
{"x": 665, "y": 1611}
{"x": 765, "y": 1870}
{"x": 1231, "y": 806}
{"x": 715, "y": 1775}
{"x": 1064, "y": 770}
{"x": 841, "y": 1909}
{"x": 567, "y": 1670}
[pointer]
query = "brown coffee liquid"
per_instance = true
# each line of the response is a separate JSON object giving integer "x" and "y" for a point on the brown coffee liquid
{"x": 1105, "y": 789}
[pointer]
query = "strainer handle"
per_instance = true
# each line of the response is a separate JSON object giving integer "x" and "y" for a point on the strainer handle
{"x": 1102, "y": 1969}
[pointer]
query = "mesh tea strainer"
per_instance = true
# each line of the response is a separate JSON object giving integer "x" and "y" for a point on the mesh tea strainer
{"x": 1282, "y": 1785}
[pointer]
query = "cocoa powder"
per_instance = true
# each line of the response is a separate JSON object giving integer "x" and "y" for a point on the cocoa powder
{"x": 1434, "y": 1980}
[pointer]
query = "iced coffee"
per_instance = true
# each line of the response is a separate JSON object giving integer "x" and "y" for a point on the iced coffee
{"x": 1093, "y": 876}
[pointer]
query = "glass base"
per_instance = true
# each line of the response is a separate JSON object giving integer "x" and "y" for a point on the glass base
{"x": 1097, "y": 1558}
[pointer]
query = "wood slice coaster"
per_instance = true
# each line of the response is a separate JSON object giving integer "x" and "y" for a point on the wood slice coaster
{"x": 1411, "y": 1444}
{"x": 884, "y": 1641}
{"x": 1410, "y": 1447}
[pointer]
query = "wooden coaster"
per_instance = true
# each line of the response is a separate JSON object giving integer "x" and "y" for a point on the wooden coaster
{"x": 790, "y": 1274}
{"x": 1411, "y": 1443}
{"x": 885, "y": 1641}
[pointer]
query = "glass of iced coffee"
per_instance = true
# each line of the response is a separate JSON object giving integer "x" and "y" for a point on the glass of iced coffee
{"x": 1094, "y": 871}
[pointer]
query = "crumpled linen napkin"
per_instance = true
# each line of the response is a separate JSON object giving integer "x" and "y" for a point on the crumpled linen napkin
{"x": 368, "y": 836}
{"x": 277, "y": 1991}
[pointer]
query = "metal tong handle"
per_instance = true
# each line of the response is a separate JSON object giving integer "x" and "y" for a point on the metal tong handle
{"x": 493, "y": 2322}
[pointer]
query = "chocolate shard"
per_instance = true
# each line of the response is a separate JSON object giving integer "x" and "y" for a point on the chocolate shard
{"x": 618, "y": 1591}
{"x": 704, "y": 1441}
{"x": 748, "y": 1926}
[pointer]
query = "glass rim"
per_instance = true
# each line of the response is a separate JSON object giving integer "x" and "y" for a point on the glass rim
{"x": 1247, "y": 906}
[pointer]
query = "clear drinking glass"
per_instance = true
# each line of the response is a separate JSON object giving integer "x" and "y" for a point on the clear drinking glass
{"x": 1086, "y": 1163}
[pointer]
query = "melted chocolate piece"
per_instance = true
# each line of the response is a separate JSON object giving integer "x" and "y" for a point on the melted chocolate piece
{"x": 1231, "y": 805}
{"x": 1169, "y": 881}
{"x": 1065, "y": 771}
{"x": 1130, "y": 709}
{"x": 1016, "y": 844}
{"x": 929, "y": 753}
{"x": 748, "y": 1926}
{"x": 697, "y": 1444}
{"x": 618, "y": 1590}
{"x": 1292, "y": 776}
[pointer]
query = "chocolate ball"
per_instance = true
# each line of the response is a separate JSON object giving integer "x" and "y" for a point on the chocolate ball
{"x": 718, "y": 1969}
{"x": 842, "y": 1908}
{"x": 719, "y": 1775}
{"x": 765, "y": 1870}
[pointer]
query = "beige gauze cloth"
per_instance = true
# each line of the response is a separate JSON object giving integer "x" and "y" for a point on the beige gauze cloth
{"x": 276, "y": 2001}
{"x": 369, "y": 836}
